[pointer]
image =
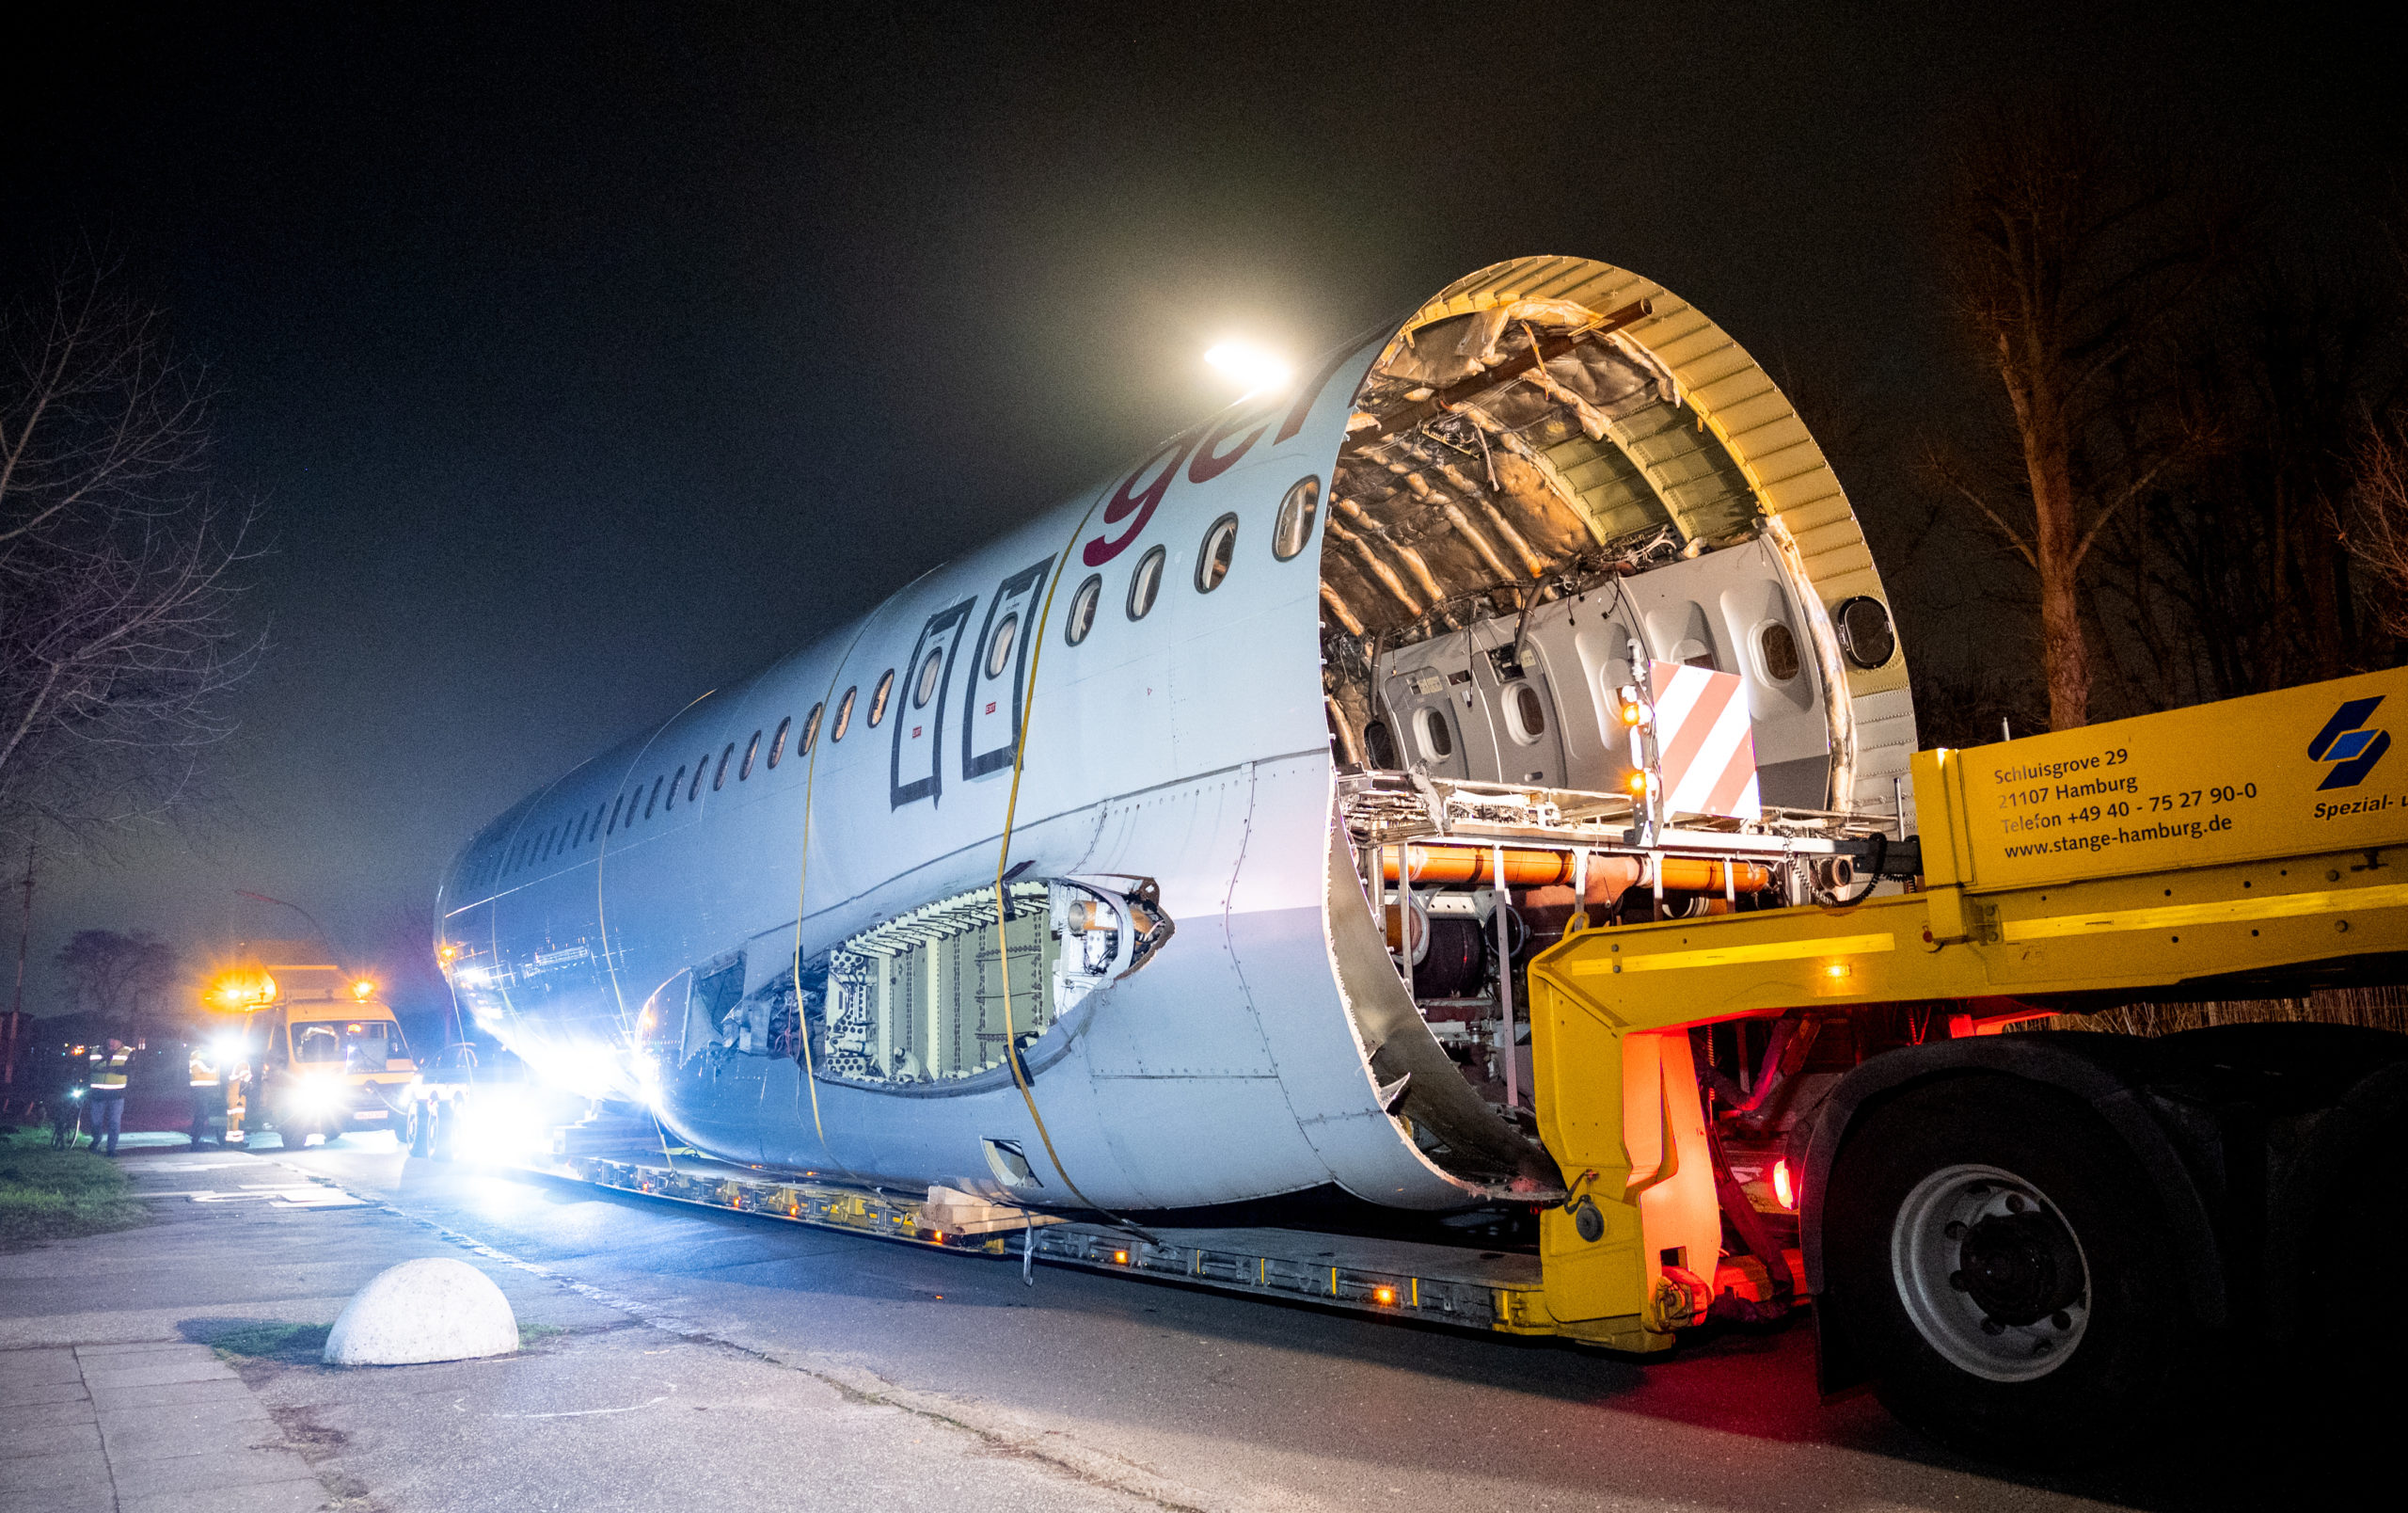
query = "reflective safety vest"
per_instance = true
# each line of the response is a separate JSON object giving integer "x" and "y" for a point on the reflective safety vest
{"x": 109, "y": 1072}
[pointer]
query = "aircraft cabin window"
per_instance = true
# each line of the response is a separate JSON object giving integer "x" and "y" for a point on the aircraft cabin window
{"x": 1144, "y": 584}
{"x": 878, "y": 696}
{"x": 924, "y": 688}
{"x": 1865, "y": 631}
{"x": 1081, "y": 619}
{"x": 1526, "y": 713}
{"x": 844, "y": 713}
{"x": 616, "y": 805}
{"x": 1778, "y": 648}
{"x": 1213, "y": 562}
{"x": 653, "y": 799}
{"x": 675, "y": 784}
{"x": 701, "y": 762}
{"x": 751, "y": 749}
{"x": 778, "y": 741}
{"x": 1437, "y": 741}
{"x": 999, "y": 645}
{"x": 1294, "y": 528}
{"x": 718, "y": 778}
{"x": 810, "y": 736}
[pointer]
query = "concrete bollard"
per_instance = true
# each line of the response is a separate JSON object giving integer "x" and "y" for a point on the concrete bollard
{"x": 432, "y": 1310}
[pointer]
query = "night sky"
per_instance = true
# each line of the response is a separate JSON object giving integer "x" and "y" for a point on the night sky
{"x": 586, "y": 361}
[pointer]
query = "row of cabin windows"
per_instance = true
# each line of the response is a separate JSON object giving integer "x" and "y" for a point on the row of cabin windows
{"x": 1290, "y": 531}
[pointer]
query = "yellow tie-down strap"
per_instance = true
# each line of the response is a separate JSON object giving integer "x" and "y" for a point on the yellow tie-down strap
{"x": 2224, "y": 912}
{"x": 1769, "y": 950}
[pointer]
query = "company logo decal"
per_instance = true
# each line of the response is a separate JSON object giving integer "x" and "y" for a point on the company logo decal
{"x": 2349, "y": 745}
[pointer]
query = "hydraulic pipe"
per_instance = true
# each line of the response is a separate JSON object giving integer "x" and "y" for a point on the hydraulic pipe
{"x": 1435, "y": 865}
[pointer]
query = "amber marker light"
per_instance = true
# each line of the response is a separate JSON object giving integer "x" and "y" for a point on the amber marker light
{"x": 1120, "y": 1258}
{"x": 363, "y": 990}
{"x": 447, "y": 953}
{"x": 1385, "y": 1296}
{"x": 1784, "y": 1187}
{"x": 242, "y": 990}
{"x": 1837, "y": 969}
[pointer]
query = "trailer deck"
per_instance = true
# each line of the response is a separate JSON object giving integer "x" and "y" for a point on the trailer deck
{"x": 1464, "y": 1286}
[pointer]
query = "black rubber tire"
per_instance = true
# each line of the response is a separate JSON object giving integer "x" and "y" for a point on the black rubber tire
{"x": 2127, "y": 1369}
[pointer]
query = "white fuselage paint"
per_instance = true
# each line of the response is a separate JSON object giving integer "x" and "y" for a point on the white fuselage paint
{"x": 1189, "y": 746}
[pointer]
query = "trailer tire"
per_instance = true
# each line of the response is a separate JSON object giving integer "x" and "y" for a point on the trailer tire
{"x": 1995, "y": 1257}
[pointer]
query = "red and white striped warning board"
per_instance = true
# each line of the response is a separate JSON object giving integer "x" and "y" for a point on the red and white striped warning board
{"x": 1705, "y": 746}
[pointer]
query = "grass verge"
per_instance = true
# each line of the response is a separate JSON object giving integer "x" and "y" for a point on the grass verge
{"x": 261, "y": 1339}
{"x": 248, "y": 1341}
{"x": 57, "y": 1195}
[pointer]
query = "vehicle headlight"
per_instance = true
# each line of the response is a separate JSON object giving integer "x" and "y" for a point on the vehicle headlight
{"x": 317, "y": 1095}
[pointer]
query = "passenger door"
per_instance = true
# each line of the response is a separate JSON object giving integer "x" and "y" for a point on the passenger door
{"x": 991, "y": 723}
{"x": 1427, "y": 701}
{"x": 916, "y": 771}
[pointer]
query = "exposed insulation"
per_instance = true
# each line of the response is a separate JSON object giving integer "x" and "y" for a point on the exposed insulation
{"x": 1547, "y": 423}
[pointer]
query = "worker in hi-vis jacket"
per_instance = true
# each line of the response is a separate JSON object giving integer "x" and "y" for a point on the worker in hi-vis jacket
{"x": 107, "y": 1097}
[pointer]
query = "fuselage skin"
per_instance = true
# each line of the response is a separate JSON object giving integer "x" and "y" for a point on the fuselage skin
{"x": 1188, "y": 746}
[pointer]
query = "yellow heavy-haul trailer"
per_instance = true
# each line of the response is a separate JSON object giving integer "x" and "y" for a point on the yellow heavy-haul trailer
{"x": 2026, "y": 1241}
{"x": 2029, "y": 1243}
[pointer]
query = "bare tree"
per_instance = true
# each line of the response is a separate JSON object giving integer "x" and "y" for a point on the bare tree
{"x": 121, "y": 977}
{"x": 2075, "y": 255}
{"x": 119, "y": 571}
{"x": 2378, "y": 517}
{"x": 2231, "y": 577}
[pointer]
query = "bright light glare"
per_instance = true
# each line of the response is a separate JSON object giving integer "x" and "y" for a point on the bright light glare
{"x": 502, "y": 1125}
{"x": 1784, "y": 1187}
{"x": 225, "y": 1050}
{"x": 317, "y": 1094}
{"x": 1256, "y": 369}
{"x": 363, "y": 990}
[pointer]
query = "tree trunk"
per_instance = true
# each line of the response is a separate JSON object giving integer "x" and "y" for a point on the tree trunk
{"x": 2057, "y": 544}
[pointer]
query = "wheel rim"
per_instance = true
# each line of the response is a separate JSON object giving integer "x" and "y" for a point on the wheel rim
{"x": 1990, "y": 1272}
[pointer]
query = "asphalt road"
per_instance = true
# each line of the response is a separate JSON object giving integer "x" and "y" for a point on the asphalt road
{"x": 1246, "y": 1402}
